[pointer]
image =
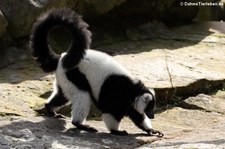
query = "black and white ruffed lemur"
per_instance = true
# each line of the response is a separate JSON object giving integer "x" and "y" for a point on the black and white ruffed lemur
{"x": 84, "y": 75}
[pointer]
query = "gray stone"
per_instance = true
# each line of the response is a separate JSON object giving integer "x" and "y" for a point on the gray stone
{"x": 183, "y": 145}
{"x": 64, "y": 136}
{"x": 191, "y": 65}
{"x": 14, "y": 78}
{"x": 183, "y": 128}
{"x": 192, "y": 128}
{"x": 11, "y": 55}
{"x": 100, "y": 7}
{"x": 3, "y": 24}
{"x": 21, "y": 14}
{"x": 205, "y": 102}
{"x": 158, "y": 9}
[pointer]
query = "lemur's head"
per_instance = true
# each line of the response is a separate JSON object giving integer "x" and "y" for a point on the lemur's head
{"x": 145, "y": 103}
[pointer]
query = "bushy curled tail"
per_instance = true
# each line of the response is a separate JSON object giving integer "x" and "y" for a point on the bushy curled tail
{"x": 81, "y": 38}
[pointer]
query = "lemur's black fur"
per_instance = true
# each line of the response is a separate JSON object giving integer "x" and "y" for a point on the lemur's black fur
{"x": 84, "y": 75}
{"x": 39, "y": 38}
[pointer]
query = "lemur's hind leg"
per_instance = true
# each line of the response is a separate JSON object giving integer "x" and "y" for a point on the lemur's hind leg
{"x": 112, "y": 124}
{"x": 80, "y": 108}
{"x": 55, "y": 101}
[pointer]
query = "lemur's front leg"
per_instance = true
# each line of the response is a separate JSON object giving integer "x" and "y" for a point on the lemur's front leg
{"x": 143, "y": 122}
{"x": 146, "y": 124}
{"x": 153, "y": 132}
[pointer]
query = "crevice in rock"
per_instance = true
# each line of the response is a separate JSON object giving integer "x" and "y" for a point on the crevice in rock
{"x": 191, "y": 106}
{"x": 166, "y": 95}
{"x": 188, "y": 106}
{"x": 8, "y": 114}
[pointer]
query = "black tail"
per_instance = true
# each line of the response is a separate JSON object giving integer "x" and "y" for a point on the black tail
{"x": 39, "y": 38}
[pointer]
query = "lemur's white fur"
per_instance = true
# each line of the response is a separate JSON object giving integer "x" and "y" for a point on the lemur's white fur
{"x": 81, "y": 104}
{"x": 99, "y": 77}
{"x": 141, "y": 102}
{"x": 97, "y": 66}
{"x": 147, "y": 123}
{"x": 81, "y": 100}
{"x": 55, "y": 91}
{"x": 96, "y": 71}
{"x": 110, "y": 122}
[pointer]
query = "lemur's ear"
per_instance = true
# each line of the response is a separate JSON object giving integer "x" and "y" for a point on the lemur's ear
{"x": 147, "y": 97}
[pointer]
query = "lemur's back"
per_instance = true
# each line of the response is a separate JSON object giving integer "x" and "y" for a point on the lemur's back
{"x": 97, "y": 67}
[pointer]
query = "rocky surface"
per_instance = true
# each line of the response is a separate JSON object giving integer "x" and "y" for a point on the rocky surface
{"x": 182, "y": 127}
{"x": 20, "y": 15}
{"x": 191, "y": 65}
{"x": 167, "y": 59}
{"x": 42, "y": 132}
{"x": 199, "y": 125}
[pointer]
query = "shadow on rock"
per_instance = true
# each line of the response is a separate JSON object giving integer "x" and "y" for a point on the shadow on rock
{"x": 44, "y": 132}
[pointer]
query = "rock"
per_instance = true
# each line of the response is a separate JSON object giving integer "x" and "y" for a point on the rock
{"x": 189, "y": 64}
{"x": 43, "y": 132}
{"x": 11, "y": 55}
{"x": 22, "y": 14}
{"x": 211, "y": 13}
{"x": 14, "y": 78}
{"x": 182, "y": 146}
{"x": 154, "y": 9}
{"x": 148, "y": 31}
{"x": 97, "y": 7}
{"x": 205, "y": 102}
{"x": 219, "y": 94}
{"x": 183, "y": 128}
{"x": 93, "y": 11}
{"x": 24, "y": 97}
{"x": 3, "y": 24}
{"x": 192, "y": 128}
{"x": 176, "y": 67}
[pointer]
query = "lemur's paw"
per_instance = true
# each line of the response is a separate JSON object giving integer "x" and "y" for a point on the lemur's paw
{"x": 55, "y": 115}
{"x": 153, "y": 132}
{"x": 84, "y": 127}
{"x": 51, "y": 113}
{"x": 91, "y": 129}
{"x": 120, "y": 133}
